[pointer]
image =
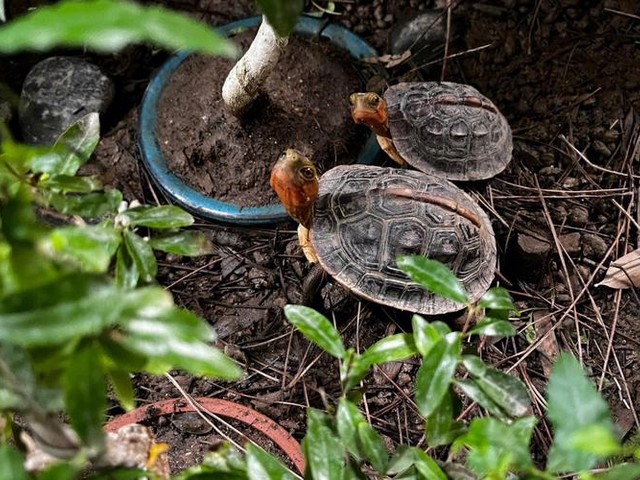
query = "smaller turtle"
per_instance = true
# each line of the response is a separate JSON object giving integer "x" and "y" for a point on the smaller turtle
{"x": 356, "y": 220}
{"x": 445, "y": 129}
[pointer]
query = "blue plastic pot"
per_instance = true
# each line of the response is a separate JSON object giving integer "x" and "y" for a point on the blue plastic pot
{"x": 193, "y": 200}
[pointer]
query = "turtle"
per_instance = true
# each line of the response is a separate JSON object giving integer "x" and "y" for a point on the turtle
{"x": 356, "y": 220}
{"x": 442, "y": 128}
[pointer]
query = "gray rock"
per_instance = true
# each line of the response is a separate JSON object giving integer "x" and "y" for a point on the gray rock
{"x": 57, "y": 92}
{"x": 571, "y": 243}
{"x": 578, "y": 216}
{"x": 593, "y": 246}
{"x": 426, "y": 29}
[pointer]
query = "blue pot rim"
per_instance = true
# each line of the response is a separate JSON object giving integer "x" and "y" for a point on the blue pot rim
{"x": 196, "y": 202}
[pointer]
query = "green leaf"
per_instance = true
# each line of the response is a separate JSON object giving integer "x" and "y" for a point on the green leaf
{"x": 434, "y": 276}
{"x": 261, "y": 464}
{"x": 623, "y": 471}
{"x": 496, "y": 448}
{"x": 506, "y": 391}
{"x": 162, "y": 217}
{"x": 90, "y": 205}
{"x": 142, "y": 255}
{"x": 126, "y": 275}
{"x": 497, "y": 298}
{"x": 78, "y": 142}
{"x": 66, "y": 471}
{"x": 90, "y": 247}
{"x": 11, "y": 464}
{"x": 472, "y": 390}
{"x": 190, "y": 244}
{"x": 441, "y": 428}
{"x": 436, "y": 373}
{"x": 393, "y": 348}
{"x": 85, "y": 394}
{"x": 373, "y": 447}
{"x": 323, "y": 450}
{"x": 348, "y": 417}
{"x": 574, "y": 404}
{"x": 176, "y": 339}
{"x": 281, "y": 14}
{"x": 352, "y": 370}
{"x": 425, "y": 335}
{"x": 121, "y": 383}
{"x": 597, "y": 440}
{"x": 317, "y": 328}
{"x": 71, "y": 184}
{"x": 427, "y": 466}
{"x": 72, "y": 307}
{"x": 108, "y": 26}
{"x": 494, "y": 327}
{"x": 124, "y": 474}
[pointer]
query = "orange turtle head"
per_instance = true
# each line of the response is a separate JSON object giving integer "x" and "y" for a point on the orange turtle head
{"x": 370, "y": 109}
{"x": 295, "y": 179}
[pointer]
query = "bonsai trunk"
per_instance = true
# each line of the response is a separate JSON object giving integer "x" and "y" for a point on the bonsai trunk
{"x": 243, "y": 83}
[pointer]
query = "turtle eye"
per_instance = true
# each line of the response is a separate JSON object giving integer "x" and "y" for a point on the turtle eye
{"x": 373, "y": 99}
{"x": 308, "y": 173}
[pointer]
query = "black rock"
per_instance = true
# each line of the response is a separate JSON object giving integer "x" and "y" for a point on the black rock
{"x": 423, "y": 32}
{"x": 57, "y": 92}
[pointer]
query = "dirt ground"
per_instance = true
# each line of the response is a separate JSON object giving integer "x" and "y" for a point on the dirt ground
{"x": 566, "y": 75}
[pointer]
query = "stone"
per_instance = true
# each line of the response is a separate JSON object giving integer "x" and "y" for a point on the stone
{"x": 57, "y": 92}
{"x": 578, "y": 216}
{"x": 426, "y": 29}
{"x": 593, "y": 246}
{"x": 571, "y": 242}
{"x": 530, "y": 259}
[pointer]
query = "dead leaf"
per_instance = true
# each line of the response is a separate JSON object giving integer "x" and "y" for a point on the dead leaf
{"x": 548, "y": 346}
{"x": 624, "y": 272}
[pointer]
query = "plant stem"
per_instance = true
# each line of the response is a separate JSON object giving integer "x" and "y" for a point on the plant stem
{"x": 244, "y": 81}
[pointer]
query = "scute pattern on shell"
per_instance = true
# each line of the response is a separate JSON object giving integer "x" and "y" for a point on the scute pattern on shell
{"x": 448, "y": 129}
{"x": 360, "y": 228}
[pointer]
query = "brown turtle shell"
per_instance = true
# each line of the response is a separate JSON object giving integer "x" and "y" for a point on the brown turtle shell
{"x": 448, "y": 129}
{"x": 365, "y": 217}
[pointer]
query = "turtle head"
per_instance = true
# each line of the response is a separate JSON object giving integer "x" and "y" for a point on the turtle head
{"x": 370, "y": 109}
{"x": 295, "y": 179}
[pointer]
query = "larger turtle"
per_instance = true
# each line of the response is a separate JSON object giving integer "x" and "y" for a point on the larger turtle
{"x": 357, "y": 220}
{"x": 445, "y": 129}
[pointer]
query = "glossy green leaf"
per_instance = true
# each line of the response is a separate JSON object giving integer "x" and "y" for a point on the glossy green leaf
{"x": 506, "y": 391}
{"x": 322, "y": 448}
{"x": 348, "y": 417}
{"x": 317, "y": 328}
{"x": 353, "y": 369}
{"x": 435, "y": 277}
{"x": 497, "y": 298}
{"x": 162, "y": 217}
{"x": 176, "y": 338}
{"x": 261, "y": 464}
{"x": 85, "y": 394}
{"x": 108, "y": 26}
{"x": 574, "y": 404}
{"x": 11, "y": 464}
{"x": 495, "y": 447}
{"x": 125, "y": 474}
{"x": 142, "y": 255}
{"x": 373, "y": 447}
{"x": 472, "y": 390}
{"x": 393, "y": 348}
{"x": 436, "y": 373}
{"x": 190, "y": 244}
{"x": 71, "y": 184}
{"x": 281, "y": 14}
{"x": 78, "y": 143}
{"x": 121, "y": 383}
{"x": 90, "y": 247}
{"x": 441, "y": 427}
{"x": 72, "y": 307}
{"x": 493, "y": 327}
{"x": 90, "y": 205}
{"x": 425, "y": 334}
{"x": 118, "y": 356}
{"x": 622, "y": 471}
{"x": 427, "y": 466}
{"x": 126, "y": 274}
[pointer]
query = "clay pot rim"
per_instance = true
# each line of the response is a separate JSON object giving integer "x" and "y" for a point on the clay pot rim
{"x": 248, "y": 416}
{"x": 195, "y": 201}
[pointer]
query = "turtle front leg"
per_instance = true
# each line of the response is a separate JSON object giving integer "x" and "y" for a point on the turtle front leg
{"x": 305, "y": 244}
{"x": 387, "y": 145}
